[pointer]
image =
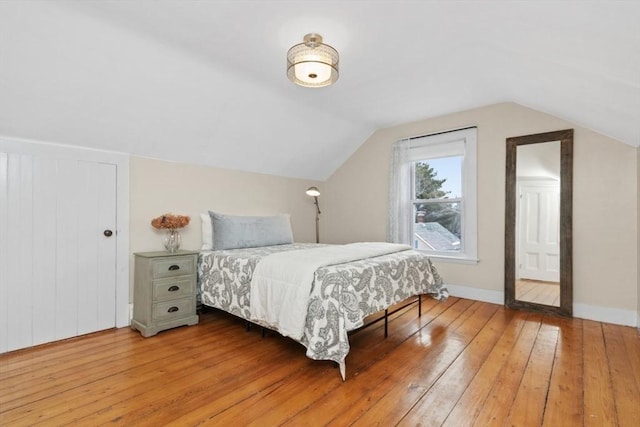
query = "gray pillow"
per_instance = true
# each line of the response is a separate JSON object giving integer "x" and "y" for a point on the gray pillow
{"x": 233, "y": 232}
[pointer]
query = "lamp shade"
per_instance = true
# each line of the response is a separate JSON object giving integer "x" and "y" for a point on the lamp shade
{"x": 313, "y": 191}
{"x": 312, "y": 63}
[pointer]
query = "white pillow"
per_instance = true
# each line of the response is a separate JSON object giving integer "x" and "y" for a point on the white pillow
{"x": 207, "y": 232}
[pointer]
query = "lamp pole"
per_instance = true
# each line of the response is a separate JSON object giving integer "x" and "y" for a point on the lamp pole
{"x": 317, "y": 219}
{"x": 314, "y": 192}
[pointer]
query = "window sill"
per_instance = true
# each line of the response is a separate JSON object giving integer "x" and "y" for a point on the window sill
{"x": 452, "y": 260}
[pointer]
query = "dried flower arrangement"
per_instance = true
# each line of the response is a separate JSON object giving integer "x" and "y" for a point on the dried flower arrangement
{"x": 170, "y": 221}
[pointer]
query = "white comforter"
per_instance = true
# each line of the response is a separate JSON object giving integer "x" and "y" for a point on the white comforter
{"x": 281, "y": 282}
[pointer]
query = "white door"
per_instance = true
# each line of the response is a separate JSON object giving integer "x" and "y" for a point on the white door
{"x": 539, "y": 231}
{"x": 58, "y": 246}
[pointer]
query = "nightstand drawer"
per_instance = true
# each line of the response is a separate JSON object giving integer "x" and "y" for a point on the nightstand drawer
{"x": 166, "y": 289}
{"x": 172, "y": 309}
{"x": 176, "y": 266}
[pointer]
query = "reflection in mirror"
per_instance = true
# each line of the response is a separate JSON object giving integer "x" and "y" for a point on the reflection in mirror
{"x": 538, "y": 222}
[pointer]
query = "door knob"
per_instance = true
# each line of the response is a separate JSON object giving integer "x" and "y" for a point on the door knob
{"x": 108, "y": 233}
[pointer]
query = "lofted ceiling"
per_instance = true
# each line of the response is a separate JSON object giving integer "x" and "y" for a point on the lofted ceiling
{"x": 204, "y": 82}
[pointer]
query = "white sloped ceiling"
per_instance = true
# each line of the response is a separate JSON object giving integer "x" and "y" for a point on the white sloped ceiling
{"x": 204, "y": 81}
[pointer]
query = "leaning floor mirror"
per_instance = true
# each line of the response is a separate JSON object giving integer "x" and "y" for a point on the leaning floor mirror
{"x": 538, "y": 223}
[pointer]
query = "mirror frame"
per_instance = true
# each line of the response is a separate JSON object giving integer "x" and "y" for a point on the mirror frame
{"x": 566, "y": 222}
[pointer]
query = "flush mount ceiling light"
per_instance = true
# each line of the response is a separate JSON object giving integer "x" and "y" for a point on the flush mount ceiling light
{"x": 312, "y": 63}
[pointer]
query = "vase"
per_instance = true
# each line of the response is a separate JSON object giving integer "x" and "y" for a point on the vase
{"x": 171, "y": 240}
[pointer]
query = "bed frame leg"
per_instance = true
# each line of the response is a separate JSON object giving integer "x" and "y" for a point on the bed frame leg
{"x": 248, "y": 325}
{"x": 262, "y": 331}
{"x": 386, "y": 322}
{"x": 419, "y": 305}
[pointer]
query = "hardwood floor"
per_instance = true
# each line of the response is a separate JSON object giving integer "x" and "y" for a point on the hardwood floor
{"x": 547, "y": 293}
{"x": 462, "y": 363}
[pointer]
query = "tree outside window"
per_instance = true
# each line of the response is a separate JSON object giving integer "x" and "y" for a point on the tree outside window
{"x": 437, "y": 206}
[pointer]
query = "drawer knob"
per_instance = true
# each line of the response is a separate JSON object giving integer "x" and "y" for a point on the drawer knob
{"x": 174, "y": 288}
{"x": 174, "y": 267}
{"x": 172, "y": 309}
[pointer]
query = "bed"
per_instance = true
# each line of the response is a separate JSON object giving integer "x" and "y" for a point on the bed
{"x": 340, "y": 296}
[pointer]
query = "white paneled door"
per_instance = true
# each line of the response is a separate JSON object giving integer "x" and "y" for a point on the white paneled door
{"x": 58, "y": 246}
{"x": 539, "y": 231}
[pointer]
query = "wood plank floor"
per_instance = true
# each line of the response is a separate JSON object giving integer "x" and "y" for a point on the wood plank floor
{"x": 547, "y": 293}
{"x": 462, "y": 363}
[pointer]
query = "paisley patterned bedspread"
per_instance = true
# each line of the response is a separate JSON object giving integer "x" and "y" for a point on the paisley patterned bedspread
{"x": 342, "y": 295}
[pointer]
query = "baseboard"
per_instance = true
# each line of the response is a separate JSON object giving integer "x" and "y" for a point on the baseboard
{"x": 615, "y": 316}
{"x": 484, "y": 295}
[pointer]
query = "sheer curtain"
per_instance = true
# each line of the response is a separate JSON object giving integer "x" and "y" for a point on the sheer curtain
{"x": 399, "y": 226}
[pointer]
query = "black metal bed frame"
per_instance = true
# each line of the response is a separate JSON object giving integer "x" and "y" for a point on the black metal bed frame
{"x": 387, "y": 313}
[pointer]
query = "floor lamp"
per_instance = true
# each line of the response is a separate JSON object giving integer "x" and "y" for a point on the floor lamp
{"x": 314, "y": 192}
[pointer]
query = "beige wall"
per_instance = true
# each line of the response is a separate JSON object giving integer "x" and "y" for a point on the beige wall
{"x": 605, "y": 201}
{"x": 158, "y": 187}
{"x": 638, "y": 235}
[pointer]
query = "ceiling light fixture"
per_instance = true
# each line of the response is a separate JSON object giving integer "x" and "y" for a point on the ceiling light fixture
{"x": 312, "y": 63}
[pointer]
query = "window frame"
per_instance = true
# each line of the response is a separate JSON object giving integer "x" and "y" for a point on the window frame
{"x": 439, "y": 145}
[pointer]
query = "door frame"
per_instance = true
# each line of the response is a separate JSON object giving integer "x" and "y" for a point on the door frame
{"x": 121, "y": 160}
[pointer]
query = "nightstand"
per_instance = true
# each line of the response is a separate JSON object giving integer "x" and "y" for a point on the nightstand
{"x": 164, "y": 293}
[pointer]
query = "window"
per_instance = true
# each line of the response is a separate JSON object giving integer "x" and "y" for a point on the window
{"x": 433, "y": 194}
